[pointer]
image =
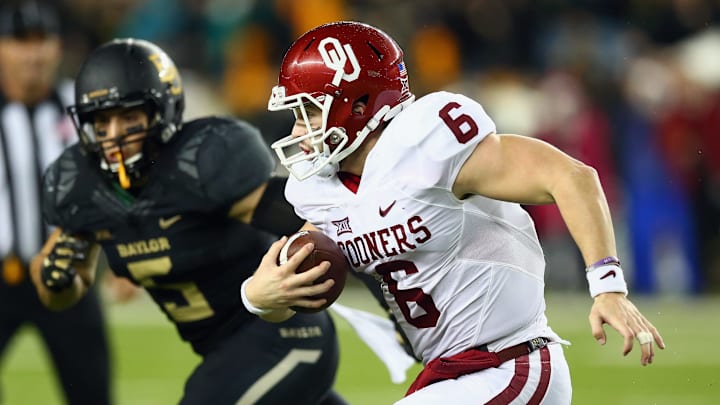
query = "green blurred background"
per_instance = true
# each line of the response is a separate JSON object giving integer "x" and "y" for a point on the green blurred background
{"x": 152, "y": 364}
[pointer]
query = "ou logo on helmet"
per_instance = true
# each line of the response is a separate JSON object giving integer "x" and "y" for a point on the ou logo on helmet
{"x": 335, "y": 55}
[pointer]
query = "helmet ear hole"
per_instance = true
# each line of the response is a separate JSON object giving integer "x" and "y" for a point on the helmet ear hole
{"x": 360, "y": 104}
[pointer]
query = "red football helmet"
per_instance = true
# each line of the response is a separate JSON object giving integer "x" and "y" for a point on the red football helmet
{"x": 331, "y": 67}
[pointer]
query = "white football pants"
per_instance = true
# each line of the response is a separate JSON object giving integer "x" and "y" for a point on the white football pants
{"x": 541, "y": 377}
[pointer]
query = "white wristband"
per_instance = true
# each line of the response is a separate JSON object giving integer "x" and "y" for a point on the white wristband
{"x": 606, "y": 278}
{"x": 250, "y": 307}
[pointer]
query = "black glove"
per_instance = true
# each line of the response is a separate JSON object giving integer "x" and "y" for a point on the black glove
{"x": 57, "y": 274}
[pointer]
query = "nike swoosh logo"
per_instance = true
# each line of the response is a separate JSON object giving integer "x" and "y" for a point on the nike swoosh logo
{"x": 384, "y": 212}
{"x": 608, "y": 274}
{"x": 166, "y": 223}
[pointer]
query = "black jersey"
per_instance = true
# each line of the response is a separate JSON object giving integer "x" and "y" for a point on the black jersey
{"x": 174, "y": 237}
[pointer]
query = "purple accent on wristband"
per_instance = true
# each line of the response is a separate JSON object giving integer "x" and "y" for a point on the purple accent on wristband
{"x": 603, "y": 262}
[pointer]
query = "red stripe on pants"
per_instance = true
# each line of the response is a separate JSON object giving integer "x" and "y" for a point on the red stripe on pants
{"x": 517, "y": 383}
{"x": 545, "y": 371}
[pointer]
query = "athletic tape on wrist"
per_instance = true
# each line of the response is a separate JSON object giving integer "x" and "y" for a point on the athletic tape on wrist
{"x": 606, "y": 278}
{"x": 250, "y": 307}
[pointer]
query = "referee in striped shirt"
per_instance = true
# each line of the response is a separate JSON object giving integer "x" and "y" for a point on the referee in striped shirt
{"x": 34, "y": 129}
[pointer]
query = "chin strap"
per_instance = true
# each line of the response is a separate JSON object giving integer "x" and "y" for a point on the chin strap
{"x": 386, "y": 113}
{"x": 399, "y": 107}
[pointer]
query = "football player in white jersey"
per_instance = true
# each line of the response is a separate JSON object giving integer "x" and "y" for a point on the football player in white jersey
{"x": 424, "y": 196}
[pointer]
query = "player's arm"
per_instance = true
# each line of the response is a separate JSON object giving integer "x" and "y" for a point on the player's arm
{"x": 243, "y": 209}
{"x": 252, "y": 195}
{"x": 273, "y": 288}
{"x": 530, "y": 171}
{"x": 265, "y": 209}
{"x": 64, "y": 269}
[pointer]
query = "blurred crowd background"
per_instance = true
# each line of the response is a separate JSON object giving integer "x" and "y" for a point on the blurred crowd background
{"x": 631, "y": 87}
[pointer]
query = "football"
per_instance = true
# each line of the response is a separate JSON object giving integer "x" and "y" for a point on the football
{"x": 325, "y": 250}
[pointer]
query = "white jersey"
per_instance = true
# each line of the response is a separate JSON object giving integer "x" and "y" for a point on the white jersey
{"x": 456, "y": 273}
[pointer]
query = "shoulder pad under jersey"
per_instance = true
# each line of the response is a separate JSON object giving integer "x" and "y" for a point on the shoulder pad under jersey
{"x": 442, "y": 122}
{"x": 67, "y": 185}
{"x": 430, "y": 140}
{"x": 231, "y": 161}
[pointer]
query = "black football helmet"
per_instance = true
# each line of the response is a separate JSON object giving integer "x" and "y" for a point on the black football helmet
{"x": 126, "y": 73}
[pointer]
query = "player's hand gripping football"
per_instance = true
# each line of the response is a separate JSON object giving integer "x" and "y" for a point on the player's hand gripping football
{"x": 617, "y": 311}
{"x": 57, "y": 272}
{"x": 275, "y": 286}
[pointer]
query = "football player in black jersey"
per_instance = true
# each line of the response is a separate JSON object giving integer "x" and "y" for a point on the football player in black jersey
{"x": 187, "y": 211}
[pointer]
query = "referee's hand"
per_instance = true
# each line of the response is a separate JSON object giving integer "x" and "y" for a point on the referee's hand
{"x": 57, "y": 272}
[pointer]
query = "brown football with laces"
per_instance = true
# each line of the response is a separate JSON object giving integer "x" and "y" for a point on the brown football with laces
{"x": 325, "y": 250}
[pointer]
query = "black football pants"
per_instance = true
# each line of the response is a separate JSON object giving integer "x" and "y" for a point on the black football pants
{"x": 292, "y": 362}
